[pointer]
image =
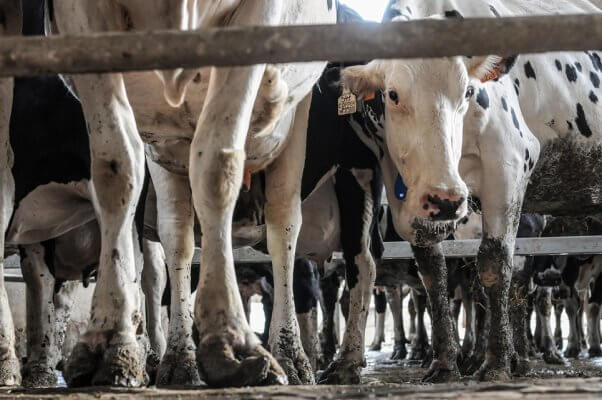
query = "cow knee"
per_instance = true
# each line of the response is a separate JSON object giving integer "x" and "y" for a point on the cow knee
{"x": 494, "y": 261}
{"x": 220, "y": 178}
{"x": 305, "y": 286}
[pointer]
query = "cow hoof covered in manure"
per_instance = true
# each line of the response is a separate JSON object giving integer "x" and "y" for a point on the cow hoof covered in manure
{"x": 520, "y": 366}
{"x": 38, "y": 375}
{"x": 222, "y": 364}
{"x": 117, "y": 365}
{"x": 342, "y": 372}
{"x": 572, "y": 352}
{"x": 179, "y": 368}
{"x": 489, "y": 373}
{"x": 437, "y": 373}
{"x": 594, "y": 352}
{"x": 298, "y": 369}
{"x": 10, "y": 372}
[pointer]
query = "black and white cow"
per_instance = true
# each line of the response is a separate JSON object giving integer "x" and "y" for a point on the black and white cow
{"x": 478, "y": 126}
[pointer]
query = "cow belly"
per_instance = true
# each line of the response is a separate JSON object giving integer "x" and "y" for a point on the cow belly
{"x": 50, "y": 211}
{"x": 566, "y": 179}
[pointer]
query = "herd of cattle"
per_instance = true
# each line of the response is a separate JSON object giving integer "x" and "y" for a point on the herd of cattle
{"x": 119, "y": 176}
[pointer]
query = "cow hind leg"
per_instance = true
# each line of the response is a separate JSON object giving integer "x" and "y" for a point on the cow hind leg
{"x": 175, "y": 223}
{"x": 573, "y": 348}
{"x": 42, "y": 352}
{"x": 355, "y": 192}
{"x": 380, "y": 308}
{"x": 419, "y": 347}
{"x": 229, "y": 353}
{"x": 394, "y": 298}
{"x": 328, "y": 336}
{"x": 558, "y": 308}
{"x": 543, "y": 302}
{"x": 593, "y": 319}
{"x": 306, "y": 293}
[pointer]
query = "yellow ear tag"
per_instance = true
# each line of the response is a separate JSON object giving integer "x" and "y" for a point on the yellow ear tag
{"x": 347, "y": 103}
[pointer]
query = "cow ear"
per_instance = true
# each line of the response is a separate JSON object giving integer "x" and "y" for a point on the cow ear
{"x": 363, "y": 80}
{"x": 490, "y": 67}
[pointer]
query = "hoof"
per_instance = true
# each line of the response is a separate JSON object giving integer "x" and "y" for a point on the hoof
{"x": 10, "y": 372}
{"x": 428, "y": 359}
{"x": 558, "y": 342}
{"x": 121, "y": 365}
{"x": 223, "y": 365}
{"x": 37, "y": 376}
{"x": 399, "y": 352}
{"x": 572, "y": 352}
{"x": 520, "y": 366}
{"x": 298, "y": 370}
{"x": 437, "y": 373}
{"x": 375, "y": 347}
{"x": 471, "y": 364}
{"x": 179, "y": 369}
{"x": 553, "y": 357}
{"x": 418, "y": 353}
{"x": 490, "y": 374}
{"x": 341, "y": 372}
{"x": 152, "y": 365}
{"x": 594, "y": 352}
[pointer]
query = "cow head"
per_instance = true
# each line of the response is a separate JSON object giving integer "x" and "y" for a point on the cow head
{"x": 425, "y": 104}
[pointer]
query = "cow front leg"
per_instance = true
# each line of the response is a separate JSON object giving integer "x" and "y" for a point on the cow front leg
{"x": 283, "y": 220}
{"x": 109, "y": 352}
{"x": 229, "y": 353}
{"x": 356, "y": 192}
{"x": 571, "y": 304}
{"x": 517, "y": 309}
{"x": 43, "y": 353}
{"x": 433, "y": 272}
{"x": 154, "y": 277}
{"x": 329, "y": 340}
{"x": 394, "y": 299}
{"x": 558, "y": 308}
{"x": 175, "y": 225}
{"x": 419, "y": 347}
{"x": 306, "y": 293}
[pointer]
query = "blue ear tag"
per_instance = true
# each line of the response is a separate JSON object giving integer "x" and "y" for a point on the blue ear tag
{"x": 401, "y": 190}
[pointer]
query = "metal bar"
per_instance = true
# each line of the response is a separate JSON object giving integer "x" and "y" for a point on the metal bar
{"x": 235, "y": 46}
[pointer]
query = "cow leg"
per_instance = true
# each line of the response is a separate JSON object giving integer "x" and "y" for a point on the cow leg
{"x": 482, "y": 321}
{"x": 469, "y": 332}
{"x": 394, "y": 299}
{"x": 355, "y": 192}
{"x": 420, "y": 342}
{"x": 328, "y": 336}
{"x": 558, "y": 308}
{"x": 42, "y": 351}
{"x": 64, "y": 298}
{"x": 433, "y": 272}
{"x": 283, "y": 220}
{"x": 573, "y": 348}
{"x": 593, "y": 319}
{"x": 517, "y": 308}
{"x": 9, "y": 364}
{"x": 543, "y": 302}
{"x": 582, "y": 341}
{"x": 306, "y": 293}
{"x": 154, "y": 277}
{"x": 175, "y": 224}
{"x": 380, "y": 308}
{"x": 412, "y": 312}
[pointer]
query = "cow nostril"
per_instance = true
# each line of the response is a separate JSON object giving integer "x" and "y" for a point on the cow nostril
{"x": 448, "y": 209}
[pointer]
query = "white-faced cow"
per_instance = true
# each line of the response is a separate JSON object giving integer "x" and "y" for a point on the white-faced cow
{"x": 10, "y": 21}
{"x": 477, "y": 126}
{"x": 259, "y": 125}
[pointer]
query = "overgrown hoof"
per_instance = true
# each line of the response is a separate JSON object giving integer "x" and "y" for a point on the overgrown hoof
{"x": 342, "y": 372}
{"x": 572, "y": 352}
{"x": 298, "y": 370}
{"x": 437, "y": 373}
{"x": 122, "y": 365}
{"x": 179, "y": 369}
{"x": 37, "y": 375}
{"x": 399, "y": 352}
{"x": 224, "y": 365}
{"x": 594, "y": 352}
{"x": 490, "y": 374}
{"x": 10, "y": 372}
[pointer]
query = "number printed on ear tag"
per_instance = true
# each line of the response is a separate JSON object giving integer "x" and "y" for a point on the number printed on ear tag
{"x": 347, "y": 103}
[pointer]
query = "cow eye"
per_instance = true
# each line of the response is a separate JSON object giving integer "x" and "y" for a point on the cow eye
{"x": 469, "y": 92}
{"x": 393, "y": 96}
